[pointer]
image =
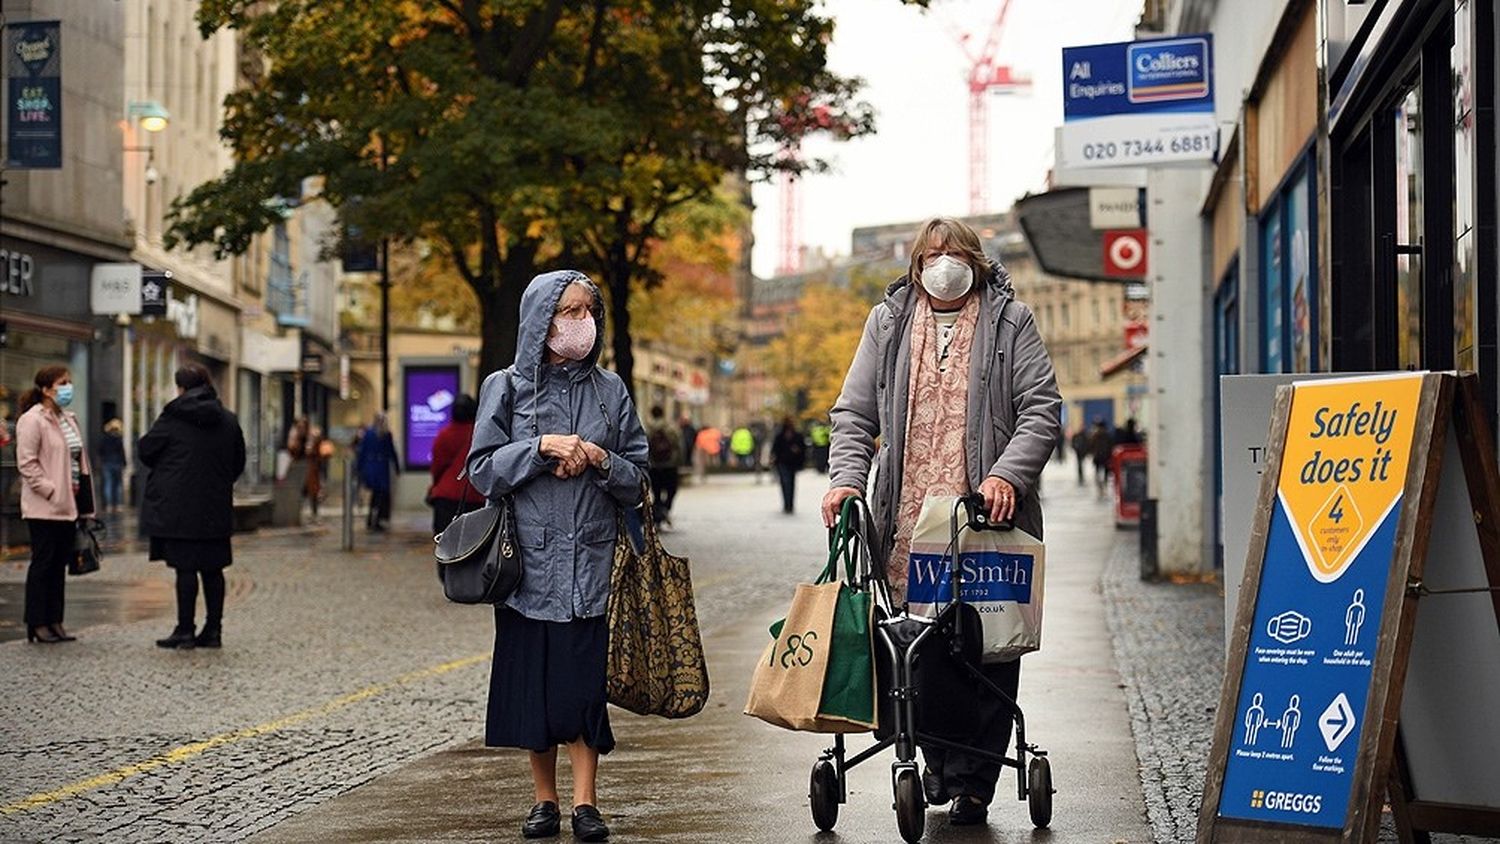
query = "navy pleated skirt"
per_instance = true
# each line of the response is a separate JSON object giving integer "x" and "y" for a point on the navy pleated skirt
{"x": 547, "y": 683}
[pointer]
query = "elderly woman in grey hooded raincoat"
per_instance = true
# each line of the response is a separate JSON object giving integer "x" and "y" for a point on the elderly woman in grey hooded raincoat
{"x": 950, "y": 392}
{"x": 561, "y": 436}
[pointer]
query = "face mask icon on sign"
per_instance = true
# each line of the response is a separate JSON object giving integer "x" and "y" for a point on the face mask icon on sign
{"x": 1288, "y": 627}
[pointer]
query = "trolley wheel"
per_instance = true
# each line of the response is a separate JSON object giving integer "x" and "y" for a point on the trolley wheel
{"x": 911, "y": 808}
{"x": 1039, "y": 791}
{"x": 823, "y": 795}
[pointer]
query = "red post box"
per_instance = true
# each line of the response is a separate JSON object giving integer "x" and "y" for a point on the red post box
{"x": 1127, "y": 469}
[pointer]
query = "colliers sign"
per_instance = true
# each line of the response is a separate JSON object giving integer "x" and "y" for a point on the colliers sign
{"x": 1139, "y": 103}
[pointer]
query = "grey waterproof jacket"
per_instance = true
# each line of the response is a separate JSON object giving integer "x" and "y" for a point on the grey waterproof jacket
{"x": 565, "y": 527}
{"x": 1014, "y": 408}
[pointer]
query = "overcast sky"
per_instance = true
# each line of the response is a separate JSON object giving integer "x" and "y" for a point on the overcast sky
{"x": 917, "y": 163}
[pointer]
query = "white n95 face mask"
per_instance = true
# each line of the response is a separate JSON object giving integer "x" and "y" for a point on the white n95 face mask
{"x": 947, "y": 278}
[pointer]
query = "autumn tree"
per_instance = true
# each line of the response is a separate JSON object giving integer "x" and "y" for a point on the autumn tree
{"x": 811, "y": 357}
{"x": 516, "y": 136}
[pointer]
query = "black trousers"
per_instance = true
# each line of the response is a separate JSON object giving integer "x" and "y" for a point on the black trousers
{"x": 380, "y": 507}
{"x": 46, "y": 577}
{"x": 664, "y": 481}
{"x": 966, "y": 775}
{"x": 187, "y": 598}
{"x": 788, "y": 477}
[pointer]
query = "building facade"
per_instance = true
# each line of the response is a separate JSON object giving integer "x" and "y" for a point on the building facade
{"x": 1350, "y": 225}
{"x": 57, "y": 225}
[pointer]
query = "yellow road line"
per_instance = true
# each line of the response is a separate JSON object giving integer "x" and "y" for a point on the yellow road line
{"x": 183, "y": 753}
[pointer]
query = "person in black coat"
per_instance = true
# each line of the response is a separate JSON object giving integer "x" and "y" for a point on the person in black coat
{"x": 790, "y": 455}
{"x": 195, "y": 451}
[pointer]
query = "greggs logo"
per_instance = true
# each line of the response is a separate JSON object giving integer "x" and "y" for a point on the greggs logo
{"x": 1286, "y": 801}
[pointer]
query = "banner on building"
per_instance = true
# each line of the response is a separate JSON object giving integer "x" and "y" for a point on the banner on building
{"x": 1139, "y": 103}
{"x": 33, "y": 95}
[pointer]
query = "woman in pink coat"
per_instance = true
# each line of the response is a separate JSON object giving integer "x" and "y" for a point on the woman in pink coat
{"x": 54, "y": 466}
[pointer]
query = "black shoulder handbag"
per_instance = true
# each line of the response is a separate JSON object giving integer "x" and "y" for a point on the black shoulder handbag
{"x": 477, "y": 554}
{"x": 87, "y": 553}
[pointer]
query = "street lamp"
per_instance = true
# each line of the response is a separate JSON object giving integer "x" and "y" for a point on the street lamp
{"x": 153, "y": 116}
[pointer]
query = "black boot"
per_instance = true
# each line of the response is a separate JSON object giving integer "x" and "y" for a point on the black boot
{"x": 211, "y": 637}
{"x": 180, "y": 639}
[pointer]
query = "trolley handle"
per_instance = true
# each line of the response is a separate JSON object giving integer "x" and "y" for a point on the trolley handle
{"x": 978, "y": 514}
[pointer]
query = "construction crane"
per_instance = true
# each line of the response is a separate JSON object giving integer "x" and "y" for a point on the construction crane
{"x": 797, "y": 122}
{"x": 986, "y": 75}
{"x": 791, "y": 216}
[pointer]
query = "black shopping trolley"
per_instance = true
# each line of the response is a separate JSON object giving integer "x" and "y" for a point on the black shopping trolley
{"x": 909, "y": 648}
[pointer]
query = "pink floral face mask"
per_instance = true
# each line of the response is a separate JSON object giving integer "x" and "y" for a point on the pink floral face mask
{"x": 573, "y": 338}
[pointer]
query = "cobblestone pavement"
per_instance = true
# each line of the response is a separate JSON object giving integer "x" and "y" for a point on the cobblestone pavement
{"x": 345, "y": 669}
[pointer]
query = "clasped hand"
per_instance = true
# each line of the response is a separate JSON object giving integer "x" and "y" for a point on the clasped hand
{"x": 572, "y": 452}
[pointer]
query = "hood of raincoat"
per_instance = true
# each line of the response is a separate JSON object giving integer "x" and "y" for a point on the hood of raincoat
{"x": 538, "y": 306}
{"x": 199, "y": 406}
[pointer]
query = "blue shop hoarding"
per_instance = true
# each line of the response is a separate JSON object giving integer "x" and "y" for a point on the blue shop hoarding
{"x": 1135, "y": 103}
{"x": 33, "y": 95}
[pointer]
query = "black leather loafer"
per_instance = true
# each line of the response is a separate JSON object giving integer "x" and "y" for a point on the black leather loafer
{"x": 588, "y": 825}
{"x": 932, "y": 788}
{"x": 544, "y": 821}
{"x": 968, "y": 811}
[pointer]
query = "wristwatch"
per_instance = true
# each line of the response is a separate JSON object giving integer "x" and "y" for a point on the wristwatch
{"x": 604, "y": 464}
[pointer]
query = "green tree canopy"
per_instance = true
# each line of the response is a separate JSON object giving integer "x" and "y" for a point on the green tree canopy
{"x": 517, "y": 135}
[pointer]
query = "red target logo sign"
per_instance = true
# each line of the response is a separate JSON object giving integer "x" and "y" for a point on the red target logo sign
{"x": 1125, "y": 253}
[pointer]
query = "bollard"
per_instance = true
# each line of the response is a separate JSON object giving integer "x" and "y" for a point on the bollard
{"x": 350, "y": 491}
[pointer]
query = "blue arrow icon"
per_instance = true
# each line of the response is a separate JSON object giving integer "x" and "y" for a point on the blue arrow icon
{"x": 1337, "y": 722}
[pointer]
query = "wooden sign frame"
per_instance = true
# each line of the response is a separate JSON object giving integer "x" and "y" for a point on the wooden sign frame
{"x": 1443, "y": 397}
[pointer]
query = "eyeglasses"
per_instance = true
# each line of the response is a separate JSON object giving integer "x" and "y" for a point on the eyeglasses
{"x": 574, "y": 311}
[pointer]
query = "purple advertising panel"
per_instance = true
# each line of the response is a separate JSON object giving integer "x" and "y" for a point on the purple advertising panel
{"x": 429, "y": 391}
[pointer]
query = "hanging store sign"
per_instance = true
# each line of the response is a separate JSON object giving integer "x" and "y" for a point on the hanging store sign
{"x": 1125, "y": 254}
{"x": 33, "y": 95}
{"x": 115, "y": 289}
{"x": 1139, "y": 103}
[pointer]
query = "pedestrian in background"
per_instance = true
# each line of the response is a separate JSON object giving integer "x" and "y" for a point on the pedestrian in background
{"x": 742, "y": 444}
{"x": 706, "y": 449}
{"x": 306, "y": 445}
{"x": 818, "y": 435}
{"x": 195, "y": 452}
{"x": 1080, "y": 443}
{"x": 789, "y": 453}
{"x": 948, "y": 428}
{"x": 376, "y": 457}
{"x": 560, "y": 435}
{"x": 451, "y": 493}
{"x": 689, "y": 437}
{"x": 55, "y": 494}
{"x": 1101, "y": 446}
{"x": 664, "y": 454}
{"x": 112, "y": 465}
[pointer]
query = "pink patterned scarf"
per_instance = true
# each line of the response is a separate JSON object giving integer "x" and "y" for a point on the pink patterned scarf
{"x": 936, "y": 424}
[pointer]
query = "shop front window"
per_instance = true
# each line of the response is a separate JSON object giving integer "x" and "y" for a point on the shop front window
{"x": 1273, "y": 308}
{"x": 1288, "y": 277}
{"x": 1407, "y": 125}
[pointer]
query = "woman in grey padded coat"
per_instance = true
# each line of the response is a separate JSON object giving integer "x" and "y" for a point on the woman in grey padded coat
{"x": 950, "y": 392}
{"x": 561, "y": 436}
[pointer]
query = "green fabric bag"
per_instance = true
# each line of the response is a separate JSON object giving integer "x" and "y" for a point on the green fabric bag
{"x": 849, "y": 682}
